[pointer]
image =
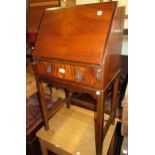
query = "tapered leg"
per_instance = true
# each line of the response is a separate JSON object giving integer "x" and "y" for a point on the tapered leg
{"x": 43, "y": 147}
{"x": 114, "y": 98}
{"x": 42, "y": 103}
{"x": 99, "y": 123}
{"x": 68, "y": 95}
{"x": 111, "y": 148}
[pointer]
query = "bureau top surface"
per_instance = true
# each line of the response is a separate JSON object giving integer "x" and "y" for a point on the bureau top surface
{"x": 76, "y": 33}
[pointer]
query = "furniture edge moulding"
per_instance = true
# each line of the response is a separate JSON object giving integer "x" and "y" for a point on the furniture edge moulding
{"x": 113, "y": 48}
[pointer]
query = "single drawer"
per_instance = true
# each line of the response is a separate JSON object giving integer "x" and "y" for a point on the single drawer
{"x": 69, "y": 72}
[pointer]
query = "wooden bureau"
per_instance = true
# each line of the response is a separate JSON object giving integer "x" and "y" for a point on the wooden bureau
{"x": 36, "y": 10}
{"x": 78, "y": 48}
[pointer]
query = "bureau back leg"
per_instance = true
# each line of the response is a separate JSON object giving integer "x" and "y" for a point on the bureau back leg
{"x": 114, "y": 99}
{"x": 43, "y": 147}
{"x": 68, "y": 96}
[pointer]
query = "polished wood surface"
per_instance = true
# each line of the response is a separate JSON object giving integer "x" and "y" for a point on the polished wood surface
{"x": 71, "y": 131}
{"x": 87, "y": 75}
{"x": 35, "y": 13}
{"x": 111, "y": 61}
{"x": 34, "y": 18}
{"x": 76, "y": 34}
{"x": 82, "y": 42}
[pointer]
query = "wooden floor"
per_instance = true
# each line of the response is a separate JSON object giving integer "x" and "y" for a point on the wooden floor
{"x": 72, "y": 132}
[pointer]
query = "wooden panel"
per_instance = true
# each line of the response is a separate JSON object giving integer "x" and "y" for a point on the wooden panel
{"x": 35, "y": 13}
{"x": 111, "y": 62}
{"x": 71, "y": 131}
{"x": 75, "y": 34}
{"x": 86, "y": 75}
{"x": 34, "y": 18}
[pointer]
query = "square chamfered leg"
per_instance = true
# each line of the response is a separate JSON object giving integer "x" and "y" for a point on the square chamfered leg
{"x": 68, "y": 96}
{"x": 114, "y": 99}
{"x": 99, "y": 123}
{"x": 43, "y": 147}
{"x": 42, "y": 103}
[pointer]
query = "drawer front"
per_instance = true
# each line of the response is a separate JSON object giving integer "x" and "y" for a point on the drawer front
{"x": 73, "y": 73}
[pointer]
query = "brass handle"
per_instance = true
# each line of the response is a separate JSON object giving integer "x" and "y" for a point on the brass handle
{"x": 49, "y": 69}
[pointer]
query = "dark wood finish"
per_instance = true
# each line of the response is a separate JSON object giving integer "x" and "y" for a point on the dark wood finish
{"x": 68, "y": 95}
{"x": 99, "y": 123}
{"x": 111, "y": 61}
{"x": 77, "y": 41}
{"x": 34, "y": 16}
{"x": 88, "y": 74}
{"x": 125, "y": 32}
{"x": 78, "y": 48}
{"x": 123, "y": 80}
{"x": 42, "y": 102}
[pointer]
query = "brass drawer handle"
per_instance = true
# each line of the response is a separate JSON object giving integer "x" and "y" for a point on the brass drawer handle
{"x": 78, "y": 75}
{"x": 49, "y": 69}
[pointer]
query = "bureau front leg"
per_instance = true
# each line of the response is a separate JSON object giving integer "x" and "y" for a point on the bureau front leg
{"x": 99, "y": 123}
{"x": 42, "y": 103}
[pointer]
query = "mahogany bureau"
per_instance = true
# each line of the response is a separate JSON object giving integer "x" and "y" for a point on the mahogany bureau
{"x": 78, "y": 48}
{"x": 34, "y": 15}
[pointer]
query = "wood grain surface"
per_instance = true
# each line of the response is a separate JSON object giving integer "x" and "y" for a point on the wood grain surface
{"x": 71, "y": 131}
{"x": 35, "y": 13}
{"x": 88, "y": 74}
{"x": 75, "y": 33}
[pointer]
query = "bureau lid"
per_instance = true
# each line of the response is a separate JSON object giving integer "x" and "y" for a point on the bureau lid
{"x": 76, "y": 33}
